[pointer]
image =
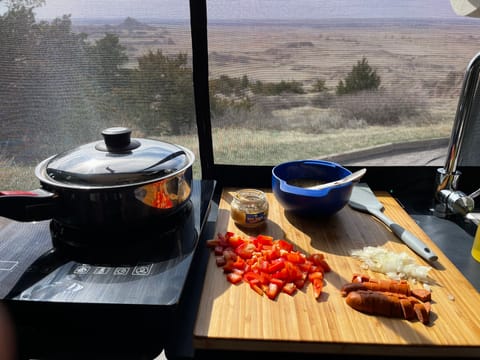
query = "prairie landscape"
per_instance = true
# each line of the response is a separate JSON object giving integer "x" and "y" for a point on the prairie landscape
{"x": 421, "y": 64}
{"x": 424, "y": 57}
{"x": 410, "y": 54}
{"x": 426, "y": 60}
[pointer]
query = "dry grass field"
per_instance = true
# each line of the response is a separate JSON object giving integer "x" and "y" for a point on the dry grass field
{"x": 416, "y": 60}
{"x": 403, "y": 55}
{"x": 414, "y": 57}
{"x": 425, "y": 62}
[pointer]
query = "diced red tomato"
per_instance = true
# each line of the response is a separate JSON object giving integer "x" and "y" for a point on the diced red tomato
{"x": 269, "y": 266}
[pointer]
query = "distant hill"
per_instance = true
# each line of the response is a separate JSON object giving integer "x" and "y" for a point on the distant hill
{"x": 132, "y": 24}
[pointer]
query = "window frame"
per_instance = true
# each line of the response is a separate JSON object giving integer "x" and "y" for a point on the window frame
{"x": 416, "y": 181}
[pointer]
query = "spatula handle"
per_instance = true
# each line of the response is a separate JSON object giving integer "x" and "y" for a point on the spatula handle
{"x": 406, "y": 236}
{"x": 414, "y": 242}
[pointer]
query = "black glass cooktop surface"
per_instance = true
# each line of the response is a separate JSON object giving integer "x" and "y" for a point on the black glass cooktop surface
{"x": 33, "y": 269}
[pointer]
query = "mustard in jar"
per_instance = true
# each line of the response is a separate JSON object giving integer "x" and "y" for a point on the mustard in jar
{"x": 249, "y": 208}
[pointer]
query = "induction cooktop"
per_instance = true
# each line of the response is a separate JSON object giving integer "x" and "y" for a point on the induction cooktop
{"x": 33, "y": 269}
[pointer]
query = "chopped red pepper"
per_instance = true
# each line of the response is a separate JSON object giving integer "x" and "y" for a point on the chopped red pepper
{"x": 235, "y": 240}
{"x": 317, "y": 288}
{"x": 289, "y": 288}
{"x": 234, "y": 278}
{"x": 275, "y": 266}
{"x": 264, "y": 240}
{"x": 272, "y": 290}
{"x": 245, "y": 250}
{"x": 269, "y": 266}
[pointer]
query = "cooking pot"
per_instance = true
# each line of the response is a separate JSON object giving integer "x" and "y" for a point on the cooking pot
{"x": 115, "y": 183}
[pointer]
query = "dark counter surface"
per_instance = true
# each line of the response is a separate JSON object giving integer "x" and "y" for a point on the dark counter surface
{"x": 53, "y": 325}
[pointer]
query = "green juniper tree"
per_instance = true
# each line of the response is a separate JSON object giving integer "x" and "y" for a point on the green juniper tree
{"x": 362, "y": 77}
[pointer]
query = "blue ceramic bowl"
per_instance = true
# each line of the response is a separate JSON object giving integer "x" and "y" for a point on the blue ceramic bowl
{"x": 307, "y": 202}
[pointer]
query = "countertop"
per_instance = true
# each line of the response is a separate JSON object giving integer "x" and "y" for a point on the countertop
{"x": 210, "y": 347}
{"x": 179, "y": 341}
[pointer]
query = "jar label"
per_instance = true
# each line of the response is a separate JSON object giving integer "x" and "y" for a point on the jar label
{"x": 254, "y": 218}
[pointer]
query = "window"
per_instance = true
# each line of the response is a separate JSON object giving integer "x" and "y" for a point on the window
{"x": 345, "y": 80}
{"x": 71, "y": 68}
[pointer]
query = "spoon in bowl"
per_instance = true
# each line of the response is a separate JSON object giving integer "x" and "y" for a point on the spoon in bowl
{"x": 355, "y": 176}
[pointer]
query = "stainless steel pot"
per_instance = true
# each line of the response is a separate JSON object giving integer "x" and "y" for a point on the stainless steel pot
{"x": 118, "y": 182}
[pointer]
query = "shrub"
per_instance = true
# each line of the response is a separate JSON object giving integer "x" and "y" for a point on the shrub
{"x": 163, "y": 83}
{"x": 362, "y": 77}
{"x": 221, "y": 105}
{"x": 379, "y": 107}
{"x": 293, "y": 87}
{"x": 319, "y": 86}
{"x": 229, "y": 86}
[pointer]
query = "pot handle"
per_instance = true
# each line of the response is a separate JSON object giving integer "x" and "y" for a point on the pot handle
{"x": 32, "y": 205}
{"x": 166, "y": 158}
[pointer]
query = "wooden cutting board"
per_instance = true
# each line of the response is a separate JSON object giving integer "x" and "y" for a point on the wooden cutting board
{"x": 235, "y": 317}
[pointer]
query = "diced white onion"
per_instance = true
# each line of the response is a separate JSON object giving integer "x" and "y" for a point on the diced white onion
{"x": 394, "y": 265}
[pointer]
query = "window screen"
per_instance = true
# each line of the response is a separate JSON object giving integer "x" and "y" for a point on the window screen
{"x": 71, "y": 68}
{"x": 360, "y": 82}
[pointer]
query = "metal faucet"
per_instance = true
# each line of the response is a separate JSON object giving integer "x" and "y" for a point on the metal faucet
{"x": 448, "y": 200}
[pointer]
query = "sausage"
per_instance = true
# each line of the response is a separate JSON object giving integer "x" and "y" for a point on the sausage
{"x": 388, "y": 304}
{"x": 363, "y": 282}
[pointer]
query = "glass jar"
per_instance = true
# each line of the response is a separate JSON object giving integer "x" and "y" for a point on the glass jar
{"x": 249, "y": 208}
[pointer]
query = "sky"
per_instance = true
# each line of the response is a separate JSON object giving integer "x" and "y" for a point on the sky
{"x": 247, "y": 9}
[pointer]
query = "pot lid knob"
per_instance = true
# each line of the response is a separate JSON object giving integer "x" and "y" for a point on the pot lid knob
{"x": 117, "y": 140}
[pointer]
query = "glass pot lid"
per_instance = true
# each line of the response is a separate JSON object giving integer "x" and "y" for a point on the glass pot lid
{"x": 116, "y": 161}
